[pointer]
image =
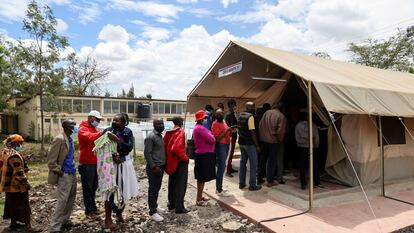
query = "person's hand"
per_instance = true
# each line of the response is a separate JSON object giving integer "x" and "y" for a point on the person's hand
{"x": 156, "y": 170}
{"x": 59, "y": 173}
{"x": 258, "y": 149}
{"x": 112, "y": 137}
{"x": 117, "y": 159}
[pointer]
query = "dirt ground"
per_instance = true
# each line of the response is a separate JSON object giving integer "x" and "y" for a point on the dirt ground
{"x": 200, "y": 219}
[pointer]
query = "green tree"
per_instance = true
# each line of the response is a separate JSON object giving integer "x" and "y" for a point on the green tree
{"x": 14, "y": 72}
{"x": 148, "y": 96}
{"x": 396, "y": 52}
{"x": 122, "y": 94}
{"x": 42, "y": 53}
{"x": 131, "y": 92}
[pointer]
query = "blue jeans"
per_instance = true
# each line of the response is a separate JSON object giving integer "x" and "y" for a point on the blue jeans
{"x": 248, "y": 152}
{"x": 89, "y": 179}
{"x": 221, "y": 157}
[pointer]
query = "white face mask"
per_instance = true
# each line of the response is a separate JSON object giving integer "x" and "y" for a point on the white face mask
{"x": 95, "y": 124}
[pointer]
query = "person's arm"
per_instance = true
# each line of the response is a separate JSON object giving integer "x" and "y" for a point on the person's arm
{"x": 84, "y": 134}
{"x": 178, "y": 146}
{"x": 253, "y": 134}
{"x": 128, "y": 143}
{"x": 148, "y": 151}
{"x": 53, "y": 154}
{"x": 215, "y": 129}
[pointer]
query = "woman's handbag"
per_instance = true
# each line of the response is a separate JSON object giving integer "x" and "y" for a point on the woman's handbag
{"x": 190, "y": 149}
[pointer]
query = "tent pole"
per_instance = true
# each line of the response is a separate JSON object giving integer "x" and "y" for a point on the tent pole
{"x": 382, "y": 157}
{"x": 310, "y": 145}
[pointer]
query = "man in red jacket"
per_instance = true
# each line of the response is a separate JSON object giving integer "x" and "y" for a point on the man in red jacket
{"x": 87, "y": 134}
{"x": 176, "y": 166}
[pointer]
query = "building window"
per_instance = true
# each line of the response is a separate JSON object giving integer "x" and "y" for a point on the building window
{"x": 67, "y": 105}
{"x": 184, "y": 108}
{"x": 107, "y": 106}
{"x": 167, "y": 108}
{"x": 123, "y": 106}
{"x": 173, "y": 108}
{"x": 161, "y": 108}
{"x": 115, "y": 106}
{"x": 77, "y": 105}
{"x": 131, "y": 107}
{"x": 179, "y": 108}
{"x": 393, "y": 131}
{"x": 96, "y": 105}
{"x": 155, "y": 108}
{"x": 108, "y": 121}
{"x": 47, "y": 120}
{"x": 87, "y": 106}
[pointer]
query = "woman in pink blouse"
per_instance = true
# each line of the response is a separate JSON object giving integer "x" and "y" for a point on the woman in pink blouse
{"x": 204, "y": 169}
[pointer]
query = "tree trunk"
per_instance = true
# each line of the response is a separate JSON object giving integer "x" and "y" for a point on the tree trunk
{"x": 42, "y": 147}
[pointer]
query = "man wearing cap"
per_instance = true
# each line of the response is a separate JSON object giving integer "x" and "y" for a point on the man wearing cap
{"x": 87, "y": 161}
{"x": 62, "y": 172}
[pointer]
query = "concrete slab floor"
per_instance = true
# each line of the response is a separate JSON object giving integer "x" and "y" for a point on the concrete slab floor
{"x": 338, "y": 209}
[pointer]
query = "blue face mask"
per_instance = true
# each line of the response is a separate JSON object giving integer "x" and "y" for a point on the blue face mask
{"x": 95, "y": 124}
{"x": 19, "y": 148}
{"x": 75, "y": 130}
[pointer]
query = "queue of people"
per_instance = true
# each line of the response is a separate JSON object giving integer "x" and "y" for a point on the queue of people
{"x": 105, "y": 162}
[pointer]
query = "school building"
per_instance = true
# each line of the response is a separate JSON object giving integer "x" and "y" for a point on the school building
{"x": 27, "y": 121}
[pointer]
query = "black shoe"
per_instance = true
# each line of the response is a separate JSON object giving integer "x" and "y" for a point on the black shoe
{"x": 229, "y": 174}
{"x": 242, "y": 186}
{"x": 260, "y": 181}
{"x": 182, "y": 211}
{"x": 70, "y": 225}
{"x": 170, "y": 207}
{"x": 233, "y": 170}
{"x": 255, "y": 188}
{"x": 282, "y": 182}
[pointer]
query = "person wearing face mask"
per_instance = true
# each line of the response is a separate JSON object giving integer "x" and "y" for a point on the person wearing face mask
{"x": 249, "y": 147}
{"x": 231, "y": 120}
{"x": 125, "y": 173}
{"x": 154, "y": 153}
{"x": 204, "y": 160}
{"x": 15, "y": 184}
{"x": 209, "y": 110}
{"x": 62, "y": 172}
{"x": 221, "y": 132}
{"x": 88, "y": 162}
{"x": 176, "y": 166}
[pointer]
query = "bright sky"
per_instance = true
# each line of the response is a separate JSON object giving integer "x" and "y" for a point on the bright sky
{"x": 164, "y": 47}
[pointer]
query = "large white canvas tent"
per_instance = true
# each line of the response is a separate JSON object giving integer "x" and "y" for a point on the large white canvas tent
{"x": 356, "y": 94}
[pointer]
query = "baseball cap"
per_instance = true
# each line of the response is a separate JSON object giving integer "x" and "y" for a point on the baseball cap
{"x": 96, "y": 114}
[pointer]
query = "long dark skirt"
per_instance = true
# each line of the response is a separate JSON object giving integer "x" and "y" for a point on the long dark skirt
{"x": 17, "y": 207}
{"x": 205, "y": 167}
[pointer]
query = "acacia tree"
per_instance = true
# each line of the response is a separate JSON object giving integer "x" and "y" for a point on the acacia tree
{"x": 396, "y": 52}
{"x": 84, "y": 77}
{"x": 42, "y": 53}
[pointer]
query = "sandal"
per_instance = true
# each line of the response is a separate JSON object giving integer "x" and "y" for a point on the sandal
{"x": 201, "y": 203}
